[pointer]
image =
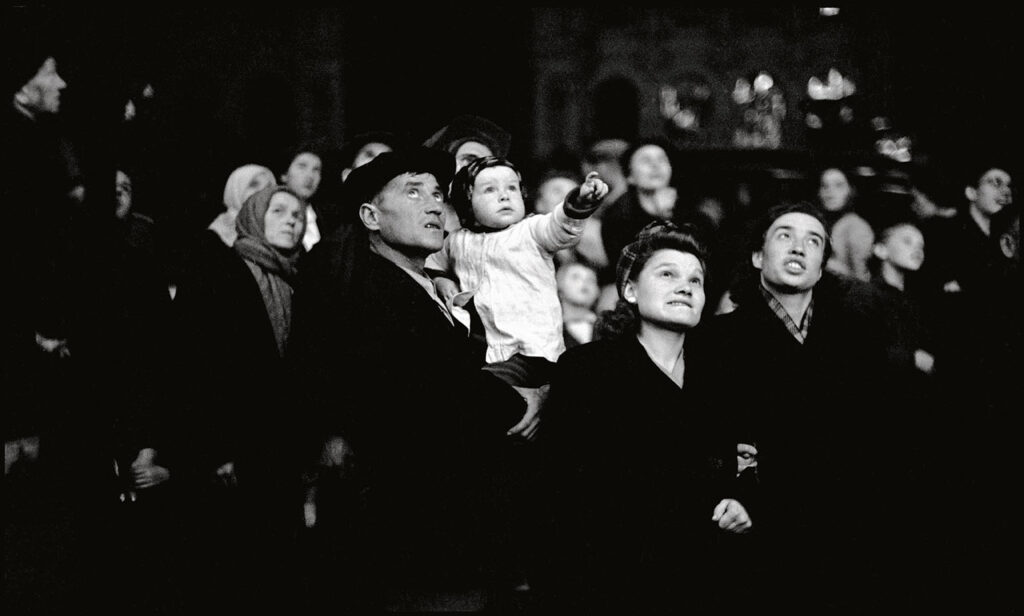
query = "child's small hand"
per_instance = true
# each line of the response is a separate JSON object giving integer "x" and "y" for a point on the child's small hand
{"x": 446, "y": 289}
{"x": 582, "y": 201}
{"x": 593, "y": 189}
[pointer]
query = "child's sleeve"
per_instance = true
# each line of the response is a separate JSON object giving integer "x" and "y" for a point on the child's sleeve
{"x": 555, "y": 230}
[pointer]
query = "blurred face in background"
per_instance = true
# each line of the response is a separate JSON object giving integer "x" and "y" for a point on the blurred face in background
{"x": 552, "y": 192}
{"x": 993, "y": 193}
{"x": 649, "y": 168}
{"x": 470, "y": 151}
{"x": 303, "y": 174}
{"x": 834, "y": 190}
{"x": 577, "y": 285}
{"x": 368, "y": 152}
{"x": 903, "y": 247}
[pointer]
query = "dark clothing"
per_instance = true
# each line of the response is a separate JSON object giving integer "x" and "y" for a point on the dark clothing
{"x": 238, "y": 403}
{"x": 33, "y": 181}
{"x": 392, "y": 375}
{"x": 817, "y": 415}
{"x": 959, "y": 251}
{"x": 635, "y": 467}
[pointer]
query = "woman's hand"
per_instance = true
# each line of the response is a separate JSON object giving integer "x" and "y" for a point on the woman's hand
{"x": 731, "y": 516}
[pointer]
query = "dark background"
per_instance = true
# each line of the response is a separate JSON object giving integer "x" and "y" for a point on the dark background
{"x": 240, "y": 85}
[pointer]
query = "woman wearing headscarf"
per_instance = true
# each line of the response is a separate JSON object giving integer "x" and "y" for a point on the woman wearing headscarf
{"x": 234, "y": 322}
{"x": 241, "y": 184}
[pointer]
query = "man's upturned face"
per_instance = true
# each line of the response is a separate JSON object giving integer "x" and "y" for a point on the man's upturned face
{"x": 993, "y": 193}
{"x": 791, "y": 257}
{"x": 409, "y": 214}
{"x": 470, "y": 151}
{"x": 44, "y": 89}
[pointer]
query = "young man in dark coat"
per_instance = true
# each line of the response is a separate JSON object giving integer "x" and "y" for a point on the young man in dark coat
{"x": 796, "y": 364}
{"x": 400, "y": 396}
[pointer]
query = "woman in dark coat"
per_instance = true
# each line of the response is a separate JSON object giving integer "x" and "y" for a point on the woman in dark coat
{"x": 240, "y": 432}
{"x": 640, "y": 472}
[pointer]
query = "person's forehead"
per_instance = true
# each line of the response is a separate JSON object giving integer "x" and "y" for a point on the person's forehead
{"x": 306, "y": 156}
{"x": 374, "y": 147}
{"x": 576, "y": 269}
{"x": 283, "y": 198}
{"x": 672, "y": 256}
{"x": 799, "y": 222}
{"x": 558, "y": 181}
{"x": 473, "y": 147}
{"x": 497, "y": 173}
{"x": 649, "y": 150}
{"x": 906, "y": 229}
{"x": 411, "y": 178}
{"x": 833, "y": 175}
{"x": 995, "y": 173}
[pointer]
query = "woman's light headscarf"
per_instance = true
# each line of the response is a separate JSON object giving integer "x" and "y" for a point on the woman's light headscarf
{"x": 236, "y": 190}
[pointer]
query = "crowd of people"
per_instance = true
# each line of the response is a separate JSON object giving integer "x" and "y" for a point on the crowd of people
{"x": 385, "y": 379}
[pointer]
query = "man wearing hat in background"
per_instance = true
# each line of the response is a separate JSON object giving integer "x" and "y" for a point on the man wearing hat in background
{"x": 398, "y": 389}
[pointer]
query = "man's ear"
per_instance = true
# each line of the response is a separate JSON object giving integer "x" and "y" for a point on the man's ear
{"x": 629, "y": 293}
{"x": 344, "y": 173}
{"x": 880, "y": 251}
{"x": 971, "y": 193}
{"x": 369, "y": 215}
{"x": 757, "y": 258}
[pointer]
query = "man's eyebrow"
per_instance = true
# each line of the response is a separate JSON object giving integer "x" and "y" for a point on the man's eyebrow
{"x": 791, "y": 228}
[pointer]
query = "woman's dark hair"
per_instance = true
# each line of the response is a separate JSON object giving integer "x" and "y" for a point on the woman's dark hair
{"x": 462, "y": 186}
{"x": 624, "y": 319}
